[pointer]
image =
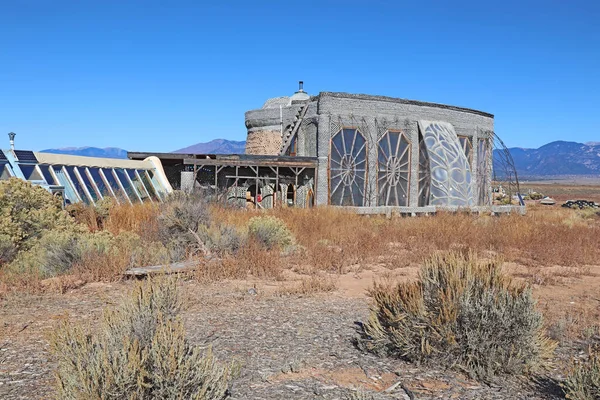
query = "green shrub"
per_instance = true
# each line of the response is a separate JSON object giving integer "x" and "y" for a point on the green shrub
{"x": 535, "y": 196}
{"x": 187, "y": 229}
{"x": 461, "y": 312}
{"x": 583, "y": 381}
{"x": 138, "y": 352}
{"x": 181, "y": 219}
{"x": 56, "y": 252}
{"x": 222, "y": 239}
{"x": 270, "y": 231}
{"x": 27, "y": 212}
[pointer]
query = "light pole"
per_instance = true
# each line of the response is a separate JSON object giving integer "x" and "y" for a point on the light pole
{"x": 11, "y": 137}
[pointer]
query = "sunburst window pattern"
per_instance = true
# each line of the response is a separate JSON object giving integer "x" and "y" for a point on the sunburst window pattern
{"x": 393, "y": 169}
{"x": 348, "y": 167}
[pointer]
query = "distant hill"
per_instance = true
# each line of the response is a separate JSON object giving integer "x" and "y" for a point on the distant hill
{"x": 108, "y": 152}
{"x": 552, "y": 159}
{"x": 217, "y": 146}
{"x": 558, "y": 158}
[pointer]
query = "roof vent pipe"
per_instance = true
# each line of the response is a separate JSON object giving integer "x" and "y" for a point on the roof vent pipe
{"x": 11, "y": 137}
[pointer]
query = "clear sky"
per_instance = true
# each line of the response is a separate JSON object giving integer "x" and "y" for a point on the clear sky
{"x": 162, "y": 75}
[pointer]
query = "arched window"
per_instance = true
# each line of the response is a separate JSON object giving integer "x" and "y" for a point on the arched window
{"x": 348, "y": 168}
{"x": 393, "y": 169}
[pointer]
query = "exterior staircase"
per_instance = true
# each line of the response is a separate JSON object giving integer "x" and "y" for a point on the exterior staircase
{"x": 292, "y": 130}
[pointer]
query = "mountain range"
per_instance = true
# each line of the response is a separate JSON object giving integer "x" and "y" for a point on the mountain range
{"x": 552, "y": 159}
{"x": 108, "y": 152}
{"x": 217, "y": 146}
{"x": 558, "y": 158}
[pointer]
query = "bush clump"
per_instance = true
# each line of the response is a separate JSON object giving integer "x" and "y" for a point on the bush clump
{"x": 138, "y": 352}
{"x": 461, "y": 312}
{"x": 583, "y": 381}
{"x": 187, "y": 229}
{"x": 27, "y": 212}
{"x": 270, "y": 231}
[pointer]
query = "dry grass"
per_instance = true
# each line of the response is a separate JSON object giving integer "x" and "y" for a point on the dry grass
{"x": 334, "y": 239}
{"x": 313, "y": 284}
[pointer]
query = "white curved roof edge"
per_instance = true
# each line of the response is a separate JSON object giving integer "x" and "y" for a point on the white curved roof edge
{"x": 159, "y": 172}
{"x": 65, "y": 159}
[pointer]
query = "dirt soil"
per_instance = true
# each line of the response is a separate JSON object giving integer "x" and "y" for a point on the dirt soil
{"x": 290, "y": 347}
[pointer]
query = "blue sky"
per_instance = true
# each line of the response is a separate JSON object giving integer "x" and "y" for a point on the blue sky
{"x": 158, "y": 75}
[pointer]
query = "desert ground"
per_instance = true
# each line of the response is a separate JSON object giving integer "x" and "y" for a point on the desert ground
{"x": 290, "y": 319}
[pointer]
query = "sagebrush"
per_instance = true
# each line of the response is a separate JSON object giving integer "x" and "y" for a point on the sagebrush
{"x": 462, "y": 312}
{"x": 270, "y": 231}
{"x": 139, "y": 351}
{"x": 583, "y": 380}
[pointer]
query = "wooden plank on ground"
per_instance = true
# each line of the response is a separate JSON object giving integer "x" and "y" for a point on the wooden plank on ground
{"x": 183, "y": 266}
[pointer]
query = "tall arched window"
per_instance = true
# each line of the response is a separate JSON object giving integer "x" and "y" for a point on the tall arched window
{"x": 348, "y": 168}
{"x": 393, "y": 169}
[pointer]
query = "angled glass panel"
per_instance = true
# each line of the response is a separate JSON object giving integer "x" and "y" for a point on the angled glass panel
{"x": 95, "y": 173}
{"x": 30, "y": 172}
{"x": 129, "y": 190}
{"x": 161, "y": 192}
{"x": 148, "y": 185}
{"x": 86, "y": 181}
{"x": 47, "y": 175}
{"x": 114, "y": 184}
{"x": 78, "y": 186}
{"x": 70, "y": 193}
{"x": 139, "y": 186}
{"x": 4, "y": 172}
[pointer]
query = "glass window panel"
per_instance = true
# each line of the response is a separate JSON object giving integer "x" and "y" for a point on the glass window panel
{"x": 129, "y": 190}
{"x": 91, "y": 189}
{"x": 30, "y": 172}
{"x": 95, "y": 173}
{"x": 148, "y": 184}
{"x": 47, "y": 175}
{"x": 393, "y": 169}
{"x": 139, "y": 186}
{"x": 114, "y": 185}
{"x": 4, "y": 173}
{"x": 157, "y": 184}
{"x": 347, "y": 168}
{"x": 78, "y": 187}
{"x": 70, "y": 193}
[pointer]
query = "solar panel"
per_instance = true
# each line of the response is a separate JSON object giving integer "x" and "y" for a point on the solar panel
{"x": 2, "y": 156}
{"x": 25, "y": 156}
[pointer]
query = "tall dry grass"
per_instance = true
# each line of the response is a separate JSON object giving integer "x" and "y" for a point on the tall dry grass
{"x": 334, "y": 239}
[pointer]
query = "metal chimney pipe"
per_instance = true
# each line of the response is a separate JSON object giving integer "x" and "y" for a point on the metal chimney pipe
{"x": 11, "y": 137}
